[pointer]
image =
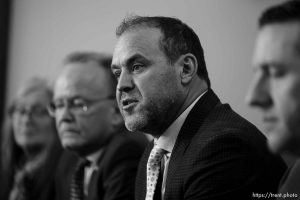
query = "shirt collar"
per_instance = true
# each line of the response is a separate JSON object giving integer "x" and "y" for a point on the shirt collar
{"x": 167, "y": 140}
{"x": 94, "y": 157}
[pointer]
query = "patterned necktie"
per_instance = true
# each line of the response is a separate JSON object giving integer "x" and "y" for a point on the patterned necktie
{"x": 76, "y": 189}
{"x": 153, "y": 167}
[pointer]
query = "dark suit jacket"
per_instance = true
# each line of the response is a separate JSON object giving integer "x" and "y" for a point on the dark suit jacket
{"x": 41, "y": 184}
{"x": 290, "y": 186}
{"x": 217, "y": 155}
{"x": 114, "y": 180}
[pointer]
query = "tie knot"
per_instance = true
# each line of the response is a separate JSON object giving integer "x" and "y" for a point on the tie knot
{"x": 156, "y": 156}
{"x": 83, "y": 163}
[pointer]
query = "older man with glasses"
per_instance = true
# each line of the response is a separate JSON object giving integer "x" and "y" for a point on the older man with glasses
{"x": 89, "y": 124}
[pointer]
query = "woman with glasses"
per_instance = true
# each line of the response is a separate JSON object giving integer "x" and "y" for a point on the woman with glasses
{"x": 30, "y": 147}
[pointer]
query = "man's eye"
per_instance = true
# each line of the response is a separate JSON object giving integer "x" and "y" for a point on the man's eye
{"x": 117, "y": 73}
{"x": 77, "y": 103}
{"x": 40, "y": 111}
{"x": 137, "y": 67}
{"x": 58, "y": 104}
{"x": 277, "y": 73}
{"x": 20, "y": 110}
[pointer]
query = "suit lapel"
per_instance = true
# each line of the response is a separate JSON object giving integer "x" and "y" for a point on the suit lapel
{"x": 190, "y": 127}
{"x": 292, "y": 183}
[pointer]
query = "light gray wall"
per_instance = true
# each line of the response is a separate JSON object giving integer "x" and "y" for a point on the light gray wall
{"x": 43, "y": 32}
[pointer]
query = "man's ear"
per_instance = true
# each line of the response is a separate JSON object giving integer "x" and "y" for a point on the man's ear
{"x": 189, "y": 67}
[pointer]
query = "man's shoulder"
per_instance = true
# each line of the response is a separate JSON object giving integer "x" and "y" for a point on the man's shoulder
{"x": 210, "y": 114}
{"x": 223, "y": 130}
{"x": 224, "y": 116}
{"x": 68, "y": 160}
{"x": 225, "y": 134}
{"x": 124, "y": 146}
{"x": 121, "y": 155}
{"x": 223, "y": 123}
{"x": 212, "y": 122}
{"x": 125, "y": 139}
{"x": 225, "y": 145}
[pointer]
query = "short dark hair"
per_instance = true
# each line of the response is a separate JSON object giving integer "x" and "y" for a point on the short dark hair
{"x": 103, "y": 60}
{"x": 177, "y": 38}
{"x": 284, "y": 12}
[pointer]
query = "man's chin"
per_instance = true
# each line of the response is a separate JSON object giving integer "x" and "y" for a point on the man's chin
{"x": 135, "y": 124}
{"x": 277, "y": 142}
{"x": 71, "y": 144}
{"x": 141, "y": 123}
{"x": 274, "y": 147}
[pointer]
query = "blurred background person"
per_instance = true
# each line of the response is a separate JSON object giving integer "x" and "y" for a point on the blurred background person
{"x": 275, "y": 88}
{"x": 30, "y": 146}
{"x": 90, "y": 125}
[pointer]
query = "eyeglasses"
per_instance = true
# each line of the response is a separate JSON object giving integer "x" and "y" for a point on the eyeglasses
{"x": 34, "y": 111}
{"x": 77, "y": 106}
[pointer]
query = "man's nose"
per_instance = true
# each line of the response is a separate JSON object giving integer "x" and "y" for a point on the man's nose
{"x": 64, "y": 114}
{"x": 27, "y": 117}
{"x": 258, "y": 94}
{"x": 125, "y": 82}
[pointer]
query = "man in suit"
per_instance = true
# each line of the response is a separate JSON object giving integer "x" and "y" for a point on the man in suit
{"x": 275, "y": 89}
{"x": 90, "y": 125}
{"x": 202, "y": 149}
